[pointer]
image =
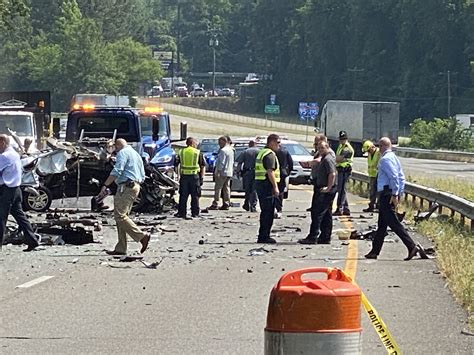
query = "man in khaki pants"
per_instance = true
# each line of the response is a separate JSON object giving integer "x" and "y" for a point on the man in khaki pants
{"x": 223, "y": 175}
{"x": 128, "y": 173}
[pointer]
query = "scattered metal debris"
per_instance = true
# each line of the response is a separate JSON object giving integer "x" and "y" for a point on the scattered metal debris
{"x": 423, "y": 216}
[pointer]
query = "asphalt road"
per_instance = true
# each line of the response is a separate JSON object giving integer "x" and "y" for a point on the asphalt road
{"x": 210, "y": 298}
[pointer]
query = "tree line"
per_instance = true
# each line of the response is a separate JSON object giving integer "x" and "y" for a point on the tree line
{"x": 313, "y": 50}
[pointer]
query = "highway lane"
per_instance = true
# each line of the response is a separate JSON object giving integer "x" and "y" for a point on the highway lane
{"x": 429, "y": 168}
{"x": 413, "y": 167}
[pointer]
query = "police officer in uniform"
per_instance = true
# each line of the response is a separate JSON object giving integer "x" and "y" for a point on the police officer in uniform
{"x": 10, "y": 193}
{"x": 344, "y": 159}
{"x": 246, "y": 166}
{"x": 192, "y": 169}
{"x": 286, "y": 166}
{"x": 267, "y": 177}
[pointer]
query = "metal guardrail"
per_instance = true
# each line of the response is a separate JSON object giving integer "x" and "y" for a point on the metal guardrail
{"x": 452, "y": 202}
{"x": 435, "y": 154}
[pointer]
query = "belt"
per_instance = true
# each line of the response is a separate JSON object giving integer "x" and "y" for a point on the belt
{"x": 128, "y": 182}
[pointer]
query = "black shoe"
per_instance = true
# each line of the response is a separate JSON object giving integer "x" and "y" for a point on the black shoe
{"x": 195, "y": 216}
{"x": 308, "y": 240}
{"x": 224, "y": 207}
{"x": 324, "y": 241}
{"x": 246, "y": 208}
{"x": 337, "y": 213}
{"x": 212, "y": 208}
{"x": 179, "y": 215}
{"x": 31, "y": 247}
{"x": 412, "y": 253}
{"x": 113, "y": 252}
{"x": 370, "y": 209}
{"x": 370, "y": 256}
{"x": 346, "y": 213}
{"x": 308, "y": 209}
{"x": 267, "y": 240}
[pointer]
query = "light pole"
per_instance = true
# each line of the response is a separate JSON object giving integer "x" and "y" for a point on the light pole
{"x": 213, "y": 42}
{"x": 449, "y": 93}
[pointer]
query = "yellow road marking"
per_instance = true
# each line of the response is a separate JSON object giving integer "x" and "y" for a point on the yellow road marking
{"x": 350, "y": 267}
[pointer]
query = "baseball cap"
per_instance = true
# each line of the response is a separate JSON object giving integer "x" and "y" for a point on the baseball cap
{"x": 342, "y": 135}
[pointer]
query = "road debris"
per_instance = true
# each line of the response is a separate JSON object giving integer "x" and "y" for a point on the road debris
{"x": 258, "y": 252}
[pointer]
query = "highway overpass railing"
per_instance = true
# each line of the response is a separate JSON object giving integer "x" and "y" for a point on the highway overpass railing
{"x": 435, "y": 154}
{"x": 453, "y": 203}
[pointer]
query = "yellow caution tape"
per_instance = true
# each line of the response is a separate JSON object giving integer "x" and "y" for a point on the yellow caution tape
{"x": 379, "y": 325}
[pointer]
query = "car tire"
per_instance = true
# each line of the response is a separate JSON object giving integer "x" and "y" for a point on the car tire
{"x": 40, "y": 203}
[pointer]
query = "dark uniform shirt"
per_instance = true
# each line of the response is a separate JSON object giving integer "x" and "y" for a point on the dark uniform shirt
{"x": 247, "y": 158}
{"x": 325, "y": 167}
{"x": 285, "y": 160}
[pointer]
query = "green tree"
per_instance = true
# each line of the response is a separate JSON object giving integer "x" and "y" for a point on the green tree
{"x": 10, "y": 10}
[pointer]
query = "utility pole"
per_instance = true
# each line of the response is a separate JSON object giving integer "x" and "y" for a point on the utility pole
{"x": 213, "y": 42}
{"x": 449, "y": 94}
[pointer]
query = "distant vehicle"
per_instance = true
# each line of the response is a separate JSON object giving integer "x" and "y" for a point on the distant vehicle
{"x": 466, "y": 120}
{"x": 182, "y": 91}
{"x": 209, "y": 148}
{"x": 225, "y": 92}
{"x": 361, "y": 120}
{"x": 28, "y": 113}
{"x": 167, "y": 93}
{"x": 80, "y": 100}
{"x": 298, "y": 152}
{"x": 198, "y": 92}
{"x": 156, "y": 90}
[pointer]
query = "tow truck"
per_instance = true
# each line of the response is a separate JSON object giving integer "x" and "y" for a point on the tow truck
{"x": 156, "y": 138}
{"x": 28, "y": 114}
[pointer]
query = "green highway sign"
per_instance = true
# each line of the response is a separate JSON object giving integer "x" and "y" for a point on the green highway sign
{"x": 275, "y": 109}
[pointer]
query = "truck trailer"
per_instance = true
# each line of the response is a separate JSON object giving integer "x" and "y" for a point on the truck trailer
{"x": 361, "y": 120}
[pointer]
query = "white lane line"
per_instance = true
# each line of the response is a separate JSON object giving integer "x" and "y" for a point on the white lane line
{"x": 35, "y": 281}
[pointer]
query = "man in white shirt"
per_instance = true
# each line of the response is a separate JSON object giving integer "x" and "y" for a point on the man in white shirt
{"x": 10, "y": 193}
{"x": 223, "y": 174}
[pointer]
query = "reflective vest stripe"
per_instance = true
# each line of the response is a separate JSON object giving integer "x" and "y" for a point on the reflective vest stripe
{"x": 348, "y": 162}
{"x": 260, "y": 171}
{"x": 189, "y": 161}
{"x": 373, "y": 162}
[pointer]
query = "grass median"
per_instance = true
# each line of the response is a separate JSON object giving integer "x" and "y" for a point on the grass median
{"x": 454, "y": 246}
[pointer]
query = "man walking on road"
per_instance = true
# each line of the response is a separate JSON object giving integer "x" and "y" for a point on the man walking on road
{"x": 324, "y": 192}
{"x": 267, "y": 176}
{"x": 10, "y": 193}
{"x": 344, "y": 158}
{"x": 246, "y": 166}
{"x": 192, "y": 170}
{"x": 286, "y": 166}
{"x": 373, "y": 158}
{"x": 390, "y": 186}
{"x": 223, "y": 174}
{"x": 128, "y": 173}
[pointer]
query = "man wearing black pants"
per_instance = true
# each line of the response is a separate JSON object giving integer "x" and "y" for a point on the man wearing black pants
{"x": 192, "y": 168}
{"x": 323, "y": 197}
{"x": 10, "y": 193}
{"x": 390, "y": 186}
{"x": 286, "y": 166}
{"x": 267, "y": 177}
{"x": 246, "y": 166}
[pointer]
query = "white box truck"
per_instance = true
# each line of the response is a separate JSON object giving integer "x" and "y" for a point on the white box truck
{"x": 361, "y": 120}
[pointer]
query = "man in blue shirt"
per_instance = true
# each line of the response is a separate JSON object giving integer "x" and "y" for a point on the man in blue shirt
{"x": 390, "y": 186}
{"x": 128, "y": 174}
{"x": 10, "y": 193}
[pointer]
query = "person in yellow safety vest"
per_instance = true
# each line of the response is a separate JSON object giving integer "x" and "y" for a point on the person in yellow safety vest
{"x": 192, "y": 169}
{"x": 373, "y": 158}
{"x": 267, "y": 177}
{"x": 344, "y": 159}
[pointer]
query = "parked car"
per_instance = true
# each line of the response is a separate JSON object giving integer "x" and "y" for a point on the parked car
{"x": 198, "y": 92}
{"x": 298, "y": 152}
{"x": 167, "y": 93}
{"x": 209, "y": 148}
{"x": 225, "y": 92}
{"x": 240, "y": 144}
{"x": 182, "y": 91}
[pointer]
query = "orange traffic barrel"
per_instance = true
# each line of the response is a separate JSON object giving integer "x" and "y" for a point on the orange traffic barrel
{"x": 314, "y": 316}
